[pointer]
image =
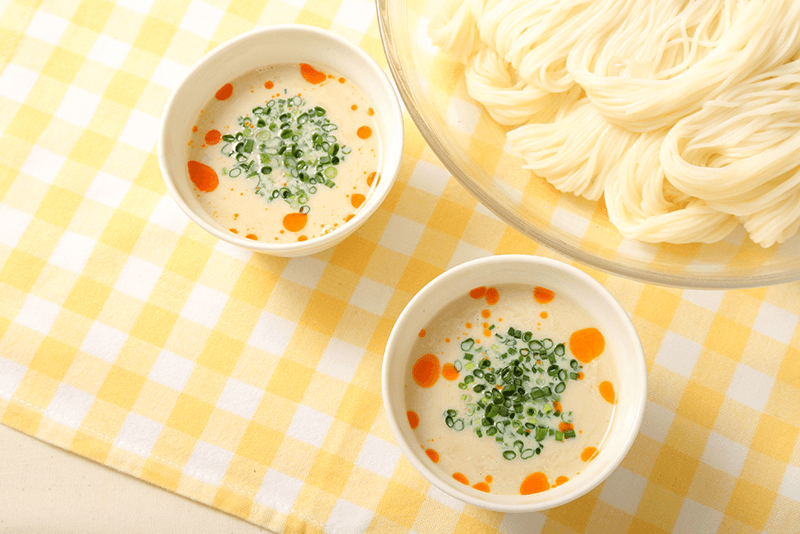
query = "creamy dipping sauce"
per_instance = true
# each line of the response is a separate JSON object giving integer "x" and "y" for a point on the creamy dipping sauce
{"x": 479, "y": 420}
{"x": 285, "y": 153}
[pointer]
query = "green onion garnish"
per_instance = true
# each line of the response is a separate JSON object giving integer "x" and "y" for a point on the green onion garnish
{"x": 510, "y": 394}
{"x": 284, "y": 135}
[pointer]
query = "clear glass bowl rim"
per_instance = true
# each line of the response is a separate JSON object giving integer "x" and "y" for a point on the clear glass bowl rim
{"x": 712, "y": 280}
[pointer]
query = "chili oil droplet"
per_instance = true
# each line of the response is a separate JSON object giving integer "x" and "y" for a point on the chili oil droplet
{"x": 478, "y": 292}
{"x": 607, "y": 391}
{"x": 294, "y": 222}
{"x": 461, "y": 478}
{"x": 426, "y": 370}
{"x": 587, "y": 344}
{"x": 357, "y": 199}
{"x": 542, "y": 295}
{"x": 481, "y": 486}
{"x": 212, "y": 137}
{"x": 311, "y": 75}
{"x": 534, "y": 483}
{"x": 449, "y": 372}
{"x": 203, "y": 176}
{"x": 413, "y": 419}
{"x": 492, "y": 296}
{"x": 224, "y": 92}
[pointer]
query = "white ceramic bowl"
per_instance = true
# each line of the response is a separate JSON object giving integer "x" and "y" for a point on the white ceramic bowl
{"x": 259, "y": 48}
{"x": 622, "y": 342}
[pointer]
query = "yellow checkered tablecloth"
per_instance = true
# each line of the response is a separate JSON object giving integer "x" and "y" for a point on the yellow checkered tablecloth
{"x": 252, "y": 383}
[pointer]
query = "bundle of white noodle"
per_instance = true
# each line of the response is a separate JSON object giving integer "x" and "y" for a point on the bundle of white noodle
{"x": 683, "y": 114}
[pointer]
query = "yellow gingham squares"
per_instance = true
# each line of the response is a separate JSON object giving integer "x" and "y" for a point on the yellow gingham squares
{"x": 252, "y": 383}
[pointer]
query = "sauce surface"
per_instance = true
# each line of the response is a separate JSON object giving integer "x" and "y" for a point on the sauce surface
{"x": 440, "y": 382}
{"x": 250, "y": 187}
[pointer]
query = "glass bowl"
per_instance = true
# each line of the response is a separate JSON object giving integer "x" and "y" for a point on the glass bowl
{"x": 472, "y": 147}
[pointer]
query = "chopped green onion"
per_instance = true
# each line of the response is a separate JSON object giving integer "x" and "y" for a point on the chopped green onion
{"x": 285, "y": 135}
{"x": 510, "y": 396}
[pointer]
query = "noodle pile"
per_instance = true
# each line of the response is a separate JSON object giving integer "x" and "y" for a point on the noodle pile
{"x": 684, "y": 115}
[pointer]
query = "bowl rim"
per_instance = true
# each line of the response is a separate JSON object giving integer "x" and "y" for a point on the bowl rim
{"x": 711, "y": 280}
{"x": 391, "y": 154}
{"x": 626, "y": 325}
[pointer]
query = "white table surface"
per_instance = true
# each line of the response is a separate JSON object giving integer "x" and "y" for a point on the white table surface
{"x": 44, "y": 489}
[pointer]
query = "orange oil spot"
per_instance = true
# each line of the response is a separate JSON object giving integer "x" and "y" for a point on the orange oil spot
{"x": 482, "y": 486}
{"x": 542, "y": 295}
{"x": 413, "y": 419}
{"x": 364, "y": 132}
{"x": 354, "y": 107}
{"x": 371, "y": 178}
{"x": 212, "y": 137}
{"x": 557, "y": 407}
{"x": 534, "y": 483}
{"x": 224, "y": 92}
{"x": 422, "y": 333}
{"x": 310, "y": 74}
{"x": 341, "y": 80}
{"x": 478, "y": 292}
{"x": 426, "y": 370}
{"x": 562, "y": 426}
{"x": 587, "y": 344}
{"x": 489, "y": 479}
{"x": 543, "y": 315}
{"x": 461, "y": 478}
{"x": 294, "y": 222}
{"x": 486, "y": 314}
{"x": 449, "y": 372}
{"x": 433, "y": 455}
{"x": 588, "y": 453}
{"x": 561, "y": 480}
{"x": 492, "y": 296}
{"x": 349, "y": 218}
{"x": 203, "y": 176}
{"x": 254, "y": 237}
{"x": 194, "y": 128}
{"x": 468, "y": 325}
{"x": 487, "y": 333}
{"x": 580, "y": 375}
{"x": 269, "y": 85}
{"x": 234, "y": 231}
{"x": 370, "y": 111}
{"x": 607, "y": 391}
{"x": 357, "y": 199}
